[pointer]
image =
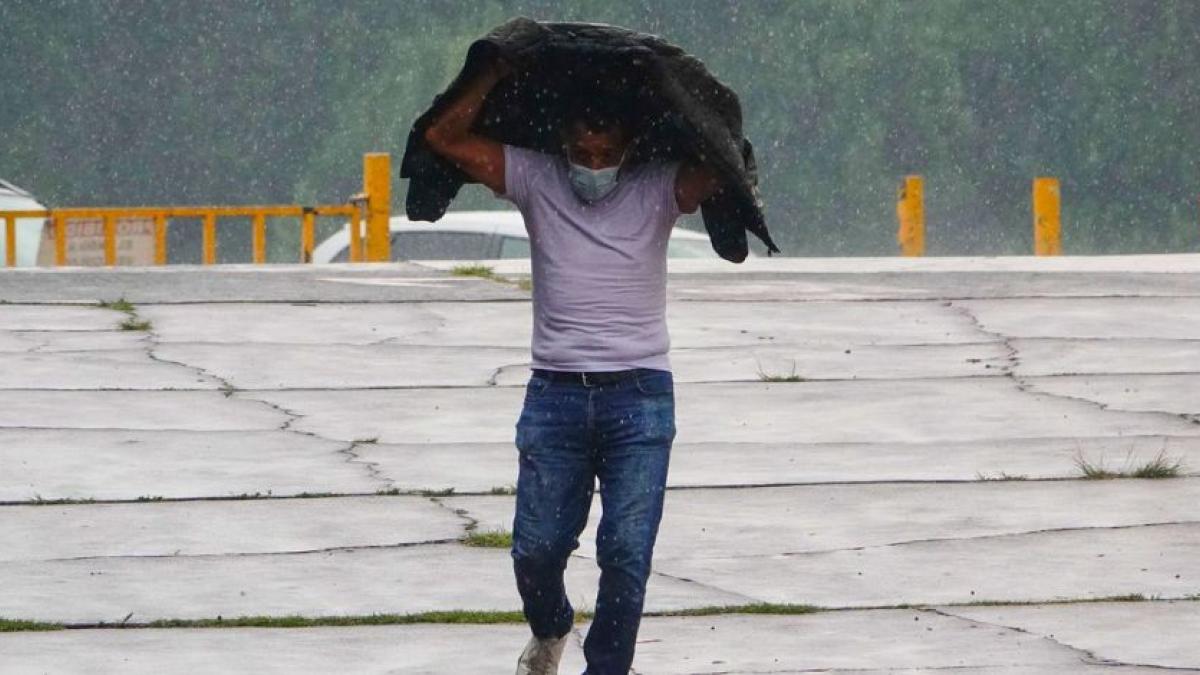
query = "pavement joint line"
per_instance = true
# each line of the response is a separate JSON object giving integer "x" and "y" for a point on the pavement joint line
{"x": 937, "y": 540}
{"x": 514, "y": 617}
{"x": 1085, "y": 655}
{"x": 1027, "y": 384}
{"x": 352, "y": 457}
{"x": 247, "y": 554}
{"x": 451, "y": 492}
{"x": 1002, "y": 372}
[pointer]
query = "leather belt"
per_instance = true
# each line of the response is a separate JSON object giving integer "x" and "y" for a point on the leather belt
{"x": 586, "y": 378}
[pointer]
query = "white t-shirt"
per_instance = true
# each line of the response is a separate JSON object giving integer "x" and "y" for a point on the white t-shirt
{"x": 599, "y": 269}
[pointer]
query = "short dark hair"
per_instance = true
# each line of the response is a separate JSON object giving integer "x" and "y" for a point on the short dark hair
{"x": 600, "y": 114}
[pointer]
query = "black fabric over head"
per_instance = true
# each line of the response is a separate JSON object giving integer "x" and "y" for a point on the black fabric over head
{"x": 677, "y": 111}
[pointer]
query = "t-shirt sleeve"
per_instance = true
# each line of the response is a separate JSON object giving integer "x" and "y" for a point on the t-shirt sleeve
{"x": 667, "y": 177}
{"x": 519, "y": 163}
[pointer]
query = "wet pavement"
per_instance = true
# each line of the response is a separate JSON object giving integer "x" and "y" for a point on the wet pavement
{"x": 316, "y": 441}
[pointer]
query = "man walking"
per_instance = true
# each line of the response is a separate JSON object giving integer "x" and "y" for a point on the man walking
{"x": 600, "y": 401}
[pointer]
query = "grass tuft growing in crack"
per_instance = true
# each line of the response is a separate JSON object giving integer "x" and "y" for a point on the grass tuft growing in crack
{"x": 17, "y": 625}
{"x": 491, "y": 539}
{"x": 768, "y": 377}
{"x": 1159, "y": 467}
{"x": 1001, "y": 476}
{"x": 131, "y": 322}
{"x": 487, "y": 272}
{"x": 119, "y": 305}
{"x": 752, "y": 608}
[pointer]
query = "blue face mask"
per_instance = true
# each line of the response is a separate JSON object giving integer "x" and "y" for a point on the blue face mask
{"x": 593, "y": 184}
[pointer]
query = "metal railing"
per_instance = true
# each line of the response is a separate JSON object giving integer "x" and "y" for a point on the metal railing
{"x": 372, "y": 207}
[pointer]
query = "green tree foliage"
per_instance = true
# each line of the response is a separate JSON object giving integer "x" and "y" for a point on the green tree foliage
{"x": 273, "y": 101}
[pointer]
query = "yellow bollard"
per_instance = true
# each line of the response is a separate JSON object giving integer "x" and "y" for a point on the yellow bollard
{"x": 60, "y": 239}
{"x": 377, "y": 184}
{"x": 1047, "y": 224}
{"x": 10, "y": 241}
{"x": 355, "y": 236}
{"x": 110, "y": 239}
{"x": 910, "y": 211}
{"x": 307, "y": 236}
{"x": 260, "y": 238}
{"x": 160, "y": 239}
{"x": 210, "y": 238}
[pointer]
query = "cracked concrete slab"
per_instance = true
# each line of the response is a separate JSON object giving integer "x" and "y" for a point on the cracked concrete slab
{"x": 123, "y": 464}
{"x": 96, "y": 370}
{"x": 399, "y": 580}
{"x": 205, "y": 411}
{"x": 771, "y": 521}
{"x": 1166, "y": 395}
{"x": 1158, "y": 634}
{"x": 50, "y": 318}
{"x": 54, "y": 341}
{"x": 869, "y": 641}
{"x": 290, "y": 366}
{"x": 1164, "y": 318}
{"x": 277, "y": 366}
{"x": 242, "y": 283}
{"x": 883, "y": 411}
{"x": 479, "y": 467}
{"x": 713, "y": 324}
{"x": 1118, "y": 356}
{"x": 241, "y": 526}
{"x": 1154, "y": 560}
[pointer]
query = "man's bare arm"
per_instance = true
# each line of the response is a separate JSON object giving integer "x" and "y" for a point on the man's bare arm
{"x": 693, "y": 184}
{"x": 450, "y": 133}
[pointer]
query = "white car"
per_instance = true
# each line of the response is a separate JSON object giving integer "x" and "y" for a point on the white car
{"x": 29, "y": 230}
{"x": 479, "y": 235}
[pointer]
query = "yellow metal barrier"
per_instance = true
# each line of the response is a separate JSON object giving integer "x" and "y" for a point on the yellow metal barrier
{"x": 375, "y": 201}
{"x": 910, "y": 211}
{"x": 1047, "y": 223}
{"x": 377, "y": 186}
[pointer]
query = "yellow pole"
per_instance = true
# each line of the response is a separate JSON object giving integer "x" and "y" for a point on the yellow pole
{"x": 60, "y": 240}
{"x": 160, "y": 239}
{"x": 377, "y": 183}
{"x": 307, "y": 237}
{"x": 260, "y": 238}
{"x": 10, "y": 241}
{"x": 1047, "y": 224}
{"x": 910, "y": 211}
{"x": 110, "y": 239}
{"x": 355, "y": 237}
{"x": 210, "y": 238}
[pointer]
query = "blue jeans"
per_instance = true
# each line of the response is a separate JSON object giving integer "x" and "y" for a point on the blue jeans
{"x": 568, "y": 435}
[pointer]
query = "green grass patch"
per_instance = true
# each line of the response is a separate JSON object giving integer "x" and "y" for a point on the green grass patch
{"x": 134, "y": 323}
{"x": 295, "y": 621}
{"x": 120, "y": 305}
{"x": 1159, "y": 467}
{"x": 17, "y": 625}
{"x": 483, "y": 271}
{"x": 772, "y": 377}
{"x": 489, "y": 539}
{"x": 752, "y": 608}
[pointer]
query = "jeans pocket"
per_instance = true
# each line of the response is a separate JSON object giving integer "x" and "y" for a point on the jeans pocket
{"x": 656, "y": 382}
{"x": 536, "y": 386}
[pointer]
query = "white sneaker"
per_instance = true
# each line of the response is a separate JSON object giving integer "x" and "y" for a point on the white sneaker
{"x": 541, "y": 656}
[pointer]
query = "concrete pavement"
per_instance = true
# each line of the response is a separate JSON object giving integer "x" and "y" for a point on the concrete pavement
{"x": 315, "y": 441}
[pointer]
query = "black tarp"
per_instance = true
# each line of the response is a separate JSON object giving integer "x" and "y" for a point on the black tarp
{"x": 682, "y": 112}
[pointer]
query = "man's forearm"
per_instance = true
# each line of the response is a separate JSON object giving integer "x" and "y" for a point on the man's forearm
{"x": 454, "y": 123}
